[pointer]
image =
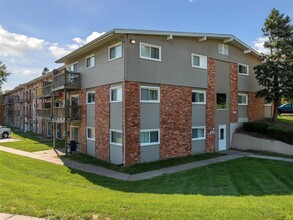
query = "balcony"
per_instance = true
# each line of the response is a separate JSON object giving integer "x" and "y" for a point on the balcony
{"x": 71, "y": 113}
{"x": 45, "y": 91}
{"x": 66, "y": 80}
{"x": 44, "y": 113}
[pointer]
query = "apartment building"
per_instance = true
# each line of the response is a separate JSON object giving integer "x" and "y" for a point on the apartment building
{"x": 133, "y": 96}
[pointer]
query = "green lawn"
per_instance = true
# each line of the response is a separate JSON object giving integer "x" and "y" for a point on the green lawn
{"x": 143, "y": 167}
{"x": 29, "y": 142}
{"x": 286, "y": 118}
{"x": 245, "y": 188}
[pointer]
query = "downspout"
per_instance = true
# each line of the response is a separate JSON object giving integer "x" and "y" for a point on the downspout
{"x": 124, "y": 98}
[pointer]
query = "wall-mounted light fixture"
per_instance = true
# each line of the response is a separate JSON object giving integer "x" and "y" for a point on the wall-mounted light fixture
{"x": 132, "y": 41}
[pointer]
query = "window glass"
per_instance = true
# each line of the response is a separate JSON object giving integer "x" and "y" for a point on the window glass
{"x": 116, "y": 137}
{"x": 196, "y": 61}
{"x": 149, "y": 137}
{"x": 154, "y": 136}
{"x": 221, "y": 101}
{"x": 242, "y": 99}
{"x": 153, "y": 94}
{"x": 144, "y": 137}
{"x": 144, "y": 94}
{"x": 150, "y": 52}
{"x": 243, "y": 69}
{"x": 90, "y": 61}
{"x": 198, "y": 97}
{"x": 90, "y": 97}
{"x": 198, "y": 133}
{"x": 115, "y": 52}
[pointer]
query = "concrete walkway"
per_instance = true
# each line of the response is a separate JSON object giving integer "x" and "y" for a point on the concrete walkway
{"x": 52, "y": 156}
{"x": 5, "y": 216}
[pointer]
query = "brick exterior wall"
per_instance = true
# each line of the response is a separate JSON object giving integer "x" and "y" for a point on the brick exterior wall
{"x": 210, "y": 106}
{"x": 82, "y": 124}
{"x": 233, "y": 92}
{"x": 102, "y": 123}
{"x": 255, "y": 107}
{"x": 132, "y": 123}
{"x": 176, "y": 119}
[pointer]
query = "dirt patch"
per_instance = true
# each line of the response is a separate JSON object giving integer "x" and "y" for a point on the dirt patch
{"x": 10, "y": 139}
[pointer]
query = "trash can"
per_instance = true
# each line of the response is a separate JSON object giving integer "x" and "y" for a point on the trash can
{"x": 72, "y": 145}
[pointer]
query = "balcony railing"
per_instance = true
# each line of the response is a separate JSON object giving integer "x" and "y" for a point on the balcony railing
{"x": 44, "y": 113}
{"x": 25, "y": 98}
{"x": 45, "y": 90}
{"x": 71, "y": 112}
{"x": 66, "y": 80}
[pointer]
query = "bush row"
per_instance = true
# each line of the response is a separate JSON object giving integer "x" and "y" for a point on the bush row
{"x": 271, "y": 131}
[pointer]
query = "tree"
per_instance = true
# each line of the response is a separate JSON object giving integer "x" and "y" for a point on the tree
{"x": 275, "y": 73}
{"x": 3, "y": 74}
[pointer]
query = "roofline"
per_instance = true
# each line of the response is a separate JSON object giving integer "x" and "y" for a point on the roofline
{"x": 157, "y": 33}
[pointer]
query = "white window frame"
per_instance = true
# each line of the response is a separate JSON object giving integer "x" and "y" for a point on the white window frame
{"x": 243, "y": 74}
{"x": 90, "y": 56}
{"x": 204, "y": 133}
{"x": 246, "y": 98}
{"x": 49, "y": 127}
{"x": 153, "y": 143}
{"x": 87, "y": 134}
{"x": 149, "y": 58}
{"x": 70, "y": 65}
{"x": 116, "y": 88}
{"x": 203, "y": 61}
{"x": 150, "y": 88}
{"x": 88, "y": 92}
{"x": 202, "y": 92}
{"x": 113, "y": 46}
{"x": 117, "y": 131}
{"x": 222, "y": 47}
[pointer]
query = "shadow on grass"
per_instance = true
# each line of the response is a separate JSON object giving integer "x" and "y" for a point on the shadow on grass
{"x": 239, "y": 177}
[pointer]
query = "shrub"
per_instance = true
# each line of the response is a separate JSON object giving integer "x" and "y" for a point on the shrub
{"x": 271, "y": 131}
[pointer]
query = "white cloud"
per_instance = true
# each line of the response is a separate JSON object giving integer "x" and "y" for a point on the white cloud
{"x": 25, "y": 72}
{"x": 57, "y": 51}
{"x": 259, "y": 45}
{"x": 12, "y": 44}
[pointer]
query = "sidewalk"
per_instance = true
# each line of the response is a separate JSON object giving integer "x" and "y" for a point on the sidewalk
{"x": 5, "y": 216}
{"x": 52, "y": 156}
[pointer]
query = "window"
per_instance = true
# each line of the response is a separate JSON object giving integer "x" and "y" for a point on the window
{"x": 73, "y": 67}
{"x": 243, "y": 69}
{"x": 116, "y": 137}
{"x": 90, "y": 97}
{"x": 198, "y": 97}
{"x": 49, "y": 129}
{"x": 150, "y": 52}
{"x": 115, "y": 51}
{"x": 116, "y": 94}
{"x": 242, "y": 99}
{"x": 199, "y": 133}
{"x": 198, "y": 61}
{"x": 149, "y": 137}
{"x": 90, "y": 133}
{"x": 223, "y": 49}
{"x": 90, "y": 61}
{"x": 58, "y": 130}
{"x": 221, "y": 101}
{"x": 149, "y": 94}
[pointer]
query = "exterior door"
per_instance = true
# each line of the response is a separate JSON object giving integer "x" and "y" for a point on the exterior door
{"x": 74, "y": 134}
{"x": 222, "y": 137}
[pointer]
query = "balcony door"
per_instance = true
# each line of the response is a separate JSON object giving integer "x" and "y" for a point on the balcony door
{"x": 74, "y": 134}
{"x": 74, "y": 102}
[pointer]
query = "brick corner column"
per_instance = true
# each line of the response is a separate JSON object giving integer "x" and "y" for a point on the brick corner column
{"x": 102, "y": 122}
{"x": 132, "y": 123}
{"x": 210, "y": 106}
{"x": 233, "y": 92}
{"x": 82, "y": 125}
{"x": 176, "y": 121}
{"x": 255, "y": 107}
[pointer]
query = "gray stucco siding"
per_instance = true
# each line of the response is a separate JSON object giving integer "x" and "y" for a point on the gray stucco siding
{"x": 90, "y": 115}
{"x": 115, "y": 154}
{"x": 91, "y": 149}
{"x": 242, "y": 111}
{"x": 198, "y": 146}
{"x": 149, "y": 116}
{"x": 149, "y": 153}
{"x": 198, "y": 115}
{"x": 116, "y": 115}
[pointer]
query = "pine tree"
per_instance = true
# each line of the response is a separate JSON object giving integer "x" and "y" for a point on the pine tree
{"x": 275, "y": 73}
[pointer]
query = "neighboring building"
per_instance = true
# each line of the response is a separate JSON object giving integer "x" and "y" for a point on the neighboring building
{"x": 134, "y": 96}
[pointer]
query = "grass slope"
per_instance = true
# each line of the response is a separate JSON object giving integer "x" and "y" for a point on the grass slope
{"x": 29, "y": 142}
{"x": 245, "y": 188}
{"x": 286, "y": 118}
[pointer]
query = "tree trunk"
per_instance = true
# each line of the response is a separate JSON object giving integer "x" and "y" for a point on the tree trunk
{"x": 275, "y": 115}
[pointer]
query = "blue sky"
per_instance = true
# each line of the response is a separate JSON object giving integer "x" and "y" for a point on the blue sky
{"x": 34, "y": 33}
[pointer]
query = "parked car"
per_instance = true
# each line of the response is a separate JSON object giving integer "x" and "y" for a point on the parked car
{"x": 5, "y": 132}
{"x": 285, "y": 108}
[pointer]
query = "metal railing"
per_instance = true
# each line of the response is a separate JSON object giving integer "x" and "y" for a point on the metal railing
{"x": 44, "y": 112}
{"x": 72, "y": 112}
